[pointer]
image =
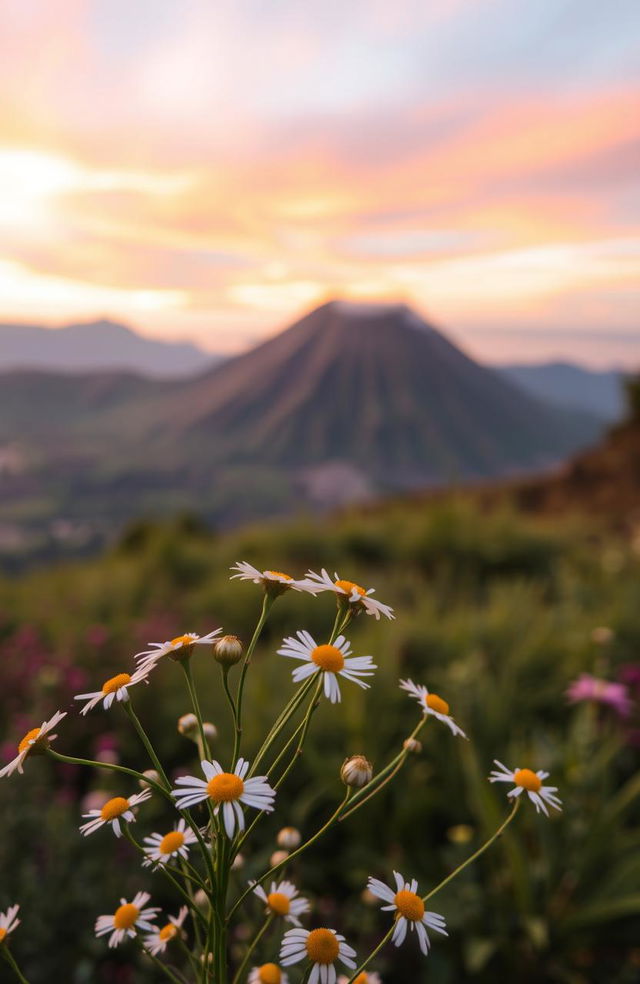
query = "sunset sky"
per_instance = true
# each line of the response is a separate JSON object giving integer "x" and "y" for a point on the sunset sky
{"x": 210, "y": 169}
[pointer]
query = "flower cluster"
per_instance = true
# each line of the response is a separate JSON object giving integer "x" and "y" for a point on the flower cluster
{"x": 212, "y": 814}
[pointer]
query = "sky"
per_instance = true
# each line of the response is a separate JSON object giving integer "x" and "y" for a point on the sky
{"x": 211, "y": 169}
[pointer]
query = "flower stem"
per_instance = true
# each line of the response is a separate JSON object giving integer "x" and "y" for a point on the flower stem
{"x": 294, "y": 854}
{"x": 266, "y": 606}
{"x": 8, "y": 956}
{"x": 252, "y": 946}
{"x": 195, "y": 703}
{"x": 144, "y": 738}
{"x": 163, "y": 967}
{"x": 445, "y": 881}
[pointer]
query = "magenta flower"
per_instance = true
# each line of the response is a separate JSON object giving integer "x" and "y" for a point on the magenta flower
{"x": 614, "y": 695}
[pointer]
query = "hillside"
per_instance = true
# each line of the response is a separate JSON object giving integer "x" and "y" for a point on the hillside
{"x": 568, "y": 385}
{"x": 96, "y": 346}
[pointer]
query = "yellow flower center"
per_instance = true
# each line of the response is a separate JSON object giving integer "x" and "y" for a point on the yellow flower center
{"x": 362, "y": 978}
{"x": 328, "y": 658}
{"x": 114, "y": 808}
{"x": 126, "y": 916}
{"x": 225, "y": 787}
{"x": 28, "y": 739}
{"x": 286, "y": 577}
{"x": 110, "y": 686}
{"x": 435, "y": 703}
{"x": 171, "y": 842}
{"x": 409, "y": 905}
{"x": 350, "y": 587}
{"x": 528, "y": 780}
{"x": 3, "y": 933}
{"x": 168, "y": 932}
{"x": 183, "y": 640}
{"x": 279, "y": 903}
{"x": 269, "y": 974}
{"x": 322, "y": 946}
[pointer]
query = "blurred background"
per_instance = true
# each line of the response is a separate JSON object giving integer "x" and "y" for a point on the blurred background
{"x": 352, "y": 286}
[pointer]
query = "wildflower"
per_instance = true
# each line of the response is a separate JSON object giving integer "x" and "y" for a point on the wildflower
{"x": 116, "y": 688}
{"x": 277, "y": 858}
{"x": 409, "y": 909}
{"x": 176, "y": 843}
{"x": 269, "y": 973}
{"x": 289, "y": 838}
{"x": 432, "y": 704}
{"x": 366, "y": 977}
{"x": 35, "y": 742}
{"x": 210, "y": 730}
{"x": 283, "y": 900}
{"x": 114, "y": 811}
{"x": 150, "y": 775}
{"x": 331, "y": 660}
{"x": 179, "y": 648}
{"x": 188, "y": 726}
{"x": 412, "y": 745}
{"x": 322, "y": 947}
{"x": 159, "y": 939}
{"x": 128, "y": 917}
{"x": 526, "y": 779}
{"x": 8, "y": 923}
{"x": 351, "y": 593}
{"x": 274, "y": 582}
{"x": 356, "y": 771}
{"x": 228, "y": 650}
{"x": 614, "y": 695}
{"x": 227, "y": 790}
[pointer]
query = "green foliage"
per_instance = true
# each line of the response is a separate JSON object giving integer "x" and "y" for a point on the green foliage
{"x": 495, "y": 613}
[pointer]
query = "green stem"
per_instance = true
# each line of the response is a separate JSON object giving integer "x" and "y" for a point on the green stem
{"x": 6, "y": 953}
{"x": 195, "y": 703}
{"x": 283, "y": 719}
{"x": 163, "y": 967}
{"x": 252, "y": 946}
{"x": 290, "y": 857}
{"x": 178, "y": 887}
{"x": 232, "y": 704}
{"x": 144, "y": 738}
{"x": 110, "y": 767}
{"x": 266, "y": 606}
{"x": 445, "y": 881}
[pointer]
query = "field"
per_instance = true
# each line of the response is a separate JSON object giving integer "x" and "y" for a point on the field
{"x": 497, "y": 612}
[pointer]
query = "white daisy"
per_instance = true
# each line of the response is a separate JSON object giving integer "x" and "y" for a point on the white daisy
{"x": 176, "y": 843}
{"x": 114, "y": 811}
{"x": 159, "y": 939}
{"x": 354, "y": 593}
{"x": 128, "y": 917}
{"x": 526, "y": 779}
{"x": 227, "y": 790}
{"x": 35, "y": 742}
{"x": 178, "y": 648}
{"x": 8, "y": 922}
{"x": 432, "y": 704}
{"x": 283, "y": 900}
{"x": 331, "y": 660}
{"x": 268, "y": 973}
{"x": 322, "y": 947}
{"x": 409, "y": 909}
{"x": 366, "y": 977}
{"x": 116, "y": 688}
{"x": 273, "y": 582}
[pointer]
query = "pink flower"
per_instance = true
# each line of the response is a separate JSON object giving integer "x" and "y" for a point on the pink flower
{"x": 614, "y": 695}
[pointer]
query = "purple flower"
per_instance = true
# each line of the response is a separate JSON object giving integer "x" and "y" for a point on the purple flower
{"x": 615, "y": 695}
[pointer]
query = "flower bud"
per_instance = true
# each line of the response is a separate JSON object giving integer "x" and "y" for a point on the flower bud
{"x": 356, "y": 771}
{"x": 238, "y": 862}
{"x": 149, "y": 774}
{"x": 278, "y": 857}
{"x": 201, "y": 900}
{"x": 412, "y": 745}
{"x": 210, "y": 730}
{"x": 228, "y": 650}
{"x": 188, "y": 726}
{"x": 289, "y": 838}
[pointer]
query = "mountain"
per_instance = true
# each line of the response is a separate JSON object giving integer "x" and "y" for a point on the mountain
{"x": 351, "y": 402}
{"x": 97, "y": 345}
{"x": 378, "y": 388}
{"x": 569, "y": 385}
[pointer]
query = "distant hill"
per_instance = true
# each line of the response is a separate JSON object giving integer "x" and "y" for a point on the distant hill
{"x": 379, "y": 388}
{"x": 596, "y": 391}
{"x": 97, "y": 345}
{"x": 351, "y": 402}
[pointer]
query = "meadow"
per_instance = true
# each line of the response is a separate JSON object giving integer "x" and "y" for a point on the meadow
{"x": 496, "y": 611}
